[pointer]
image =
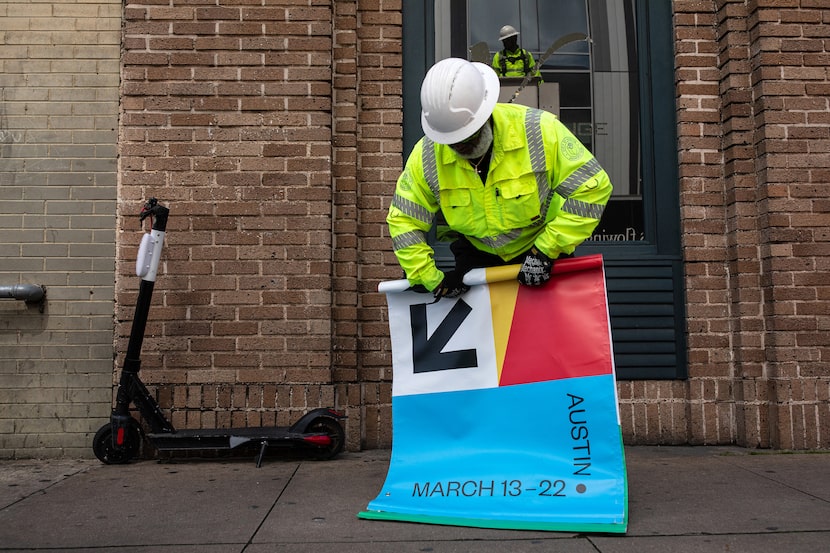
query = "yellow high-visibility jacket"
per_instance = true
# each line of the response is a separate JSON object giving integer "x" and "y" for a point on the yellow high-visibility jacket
{"x": 514, "y": 64}
{"x": 543, "y": 188}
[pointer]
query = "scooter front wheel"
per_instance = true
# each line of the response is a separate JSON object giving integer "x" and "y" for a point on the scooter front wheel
{"x": 332, "y": 427}
{"x": 108, "y": 454}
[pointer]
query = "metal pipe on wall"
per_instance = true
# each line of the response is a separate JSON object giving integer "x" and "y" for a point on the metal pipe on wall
{"x": 30, "y": 293}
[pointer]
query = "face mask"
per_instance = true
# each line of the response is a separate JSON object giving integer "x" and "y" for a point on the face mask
{"x": 478, "y": 146}
{"x": 511, "y": 43}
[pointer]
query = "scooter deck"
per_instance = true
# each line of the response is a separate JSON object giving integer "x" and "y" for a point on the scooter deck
{"x": 222, "y": 438}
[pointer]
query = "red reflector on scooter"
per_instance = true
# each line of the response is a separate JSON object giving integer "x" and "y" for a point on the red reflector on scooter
{"x": 119, "y": 437}
{"x": 318, "y": 440}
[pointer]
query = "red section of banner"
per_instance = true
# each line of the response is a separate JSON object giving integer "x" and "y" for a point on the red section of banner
{"x": 560, "y": 330}
{"x": 575, "y": 264}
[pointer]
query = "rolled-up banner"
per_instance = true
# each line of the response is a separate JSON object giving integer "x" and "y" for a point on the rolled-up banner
{"x": 504, "y": 405}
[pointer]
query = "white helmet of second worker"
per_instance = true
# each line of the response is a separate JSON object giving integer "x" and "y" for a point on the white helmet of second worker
{"x": 457, "y": 98}
{"x": 507, "y": 31}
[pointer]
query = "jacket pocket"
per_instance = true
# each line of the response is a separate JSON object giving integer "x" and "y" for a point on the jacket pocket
{"x": 519, "y": 202}
{"x": 457, "y": 206}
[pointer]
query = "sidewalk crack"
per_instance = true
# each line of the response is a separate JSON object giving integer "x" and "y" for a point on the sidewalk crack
{"x": 268, "y": 512}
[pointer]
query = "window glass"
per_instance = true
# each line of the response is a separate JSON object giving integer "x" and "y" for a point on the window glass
{"x": 491, "y": 15}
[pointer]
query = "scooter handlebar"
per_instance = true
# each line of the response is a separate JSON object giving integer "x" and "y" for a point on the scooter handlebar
{"x": 157, "y": 212}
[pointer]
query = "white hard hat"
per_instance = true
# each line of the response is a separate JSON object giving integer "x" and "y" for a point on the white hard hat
{"x": 507, "y": 31}
{"x": 457, "y": 98}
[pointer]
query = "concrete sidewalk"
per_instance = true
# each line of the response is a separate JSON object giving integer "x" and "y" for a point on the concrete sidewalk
{"x": 682, "y": 499}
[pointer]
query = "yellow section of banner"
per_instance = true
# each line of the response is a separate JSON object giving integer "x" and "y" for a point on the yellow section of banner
{"x": 504, "y": 288}
{"x": 504, "y": 272}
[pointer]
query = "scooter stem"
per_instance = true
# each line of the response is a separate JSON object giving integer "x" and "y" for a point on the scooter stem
{"x": 146, "y": 267}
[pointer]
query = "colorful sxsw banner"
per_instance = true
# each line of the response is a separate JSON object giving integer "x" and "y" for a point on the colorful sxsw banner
{"x": 504, "y": 405}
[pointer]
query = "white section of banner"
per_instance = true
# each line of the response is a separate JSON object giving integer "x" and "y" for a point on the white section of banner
{"x": 472, "y": 331}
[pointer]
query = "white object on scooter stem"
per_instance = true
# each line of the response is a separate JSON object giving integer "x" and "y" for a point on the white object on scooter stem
{"x": 149, "y": 255}
{"x": 145, "y": 256}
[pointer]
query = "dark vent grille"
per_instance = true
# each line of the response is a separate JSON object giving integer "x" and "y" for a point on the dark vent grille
{"x": 646, "y": 318}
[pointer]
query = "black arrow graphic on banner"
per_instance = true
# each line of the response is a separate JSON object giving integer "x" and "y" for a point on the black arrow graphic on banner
{"x": 426, "y": 350}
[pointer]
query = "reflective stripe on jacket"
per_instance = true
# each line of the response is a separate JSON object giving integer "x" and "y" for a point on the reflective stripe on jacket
{"x": 543, "y": 188}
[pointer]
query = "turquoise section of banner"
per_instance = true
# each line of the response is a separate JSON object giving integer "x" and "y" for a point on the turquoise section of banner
{"x": 545, "y": 455}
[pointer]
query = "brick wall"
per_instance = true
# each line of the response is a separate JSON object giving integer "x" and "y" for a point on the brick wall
{"x": 58, "y": 128}
{"x": 380, "y": 161}
{"x": 754, "y": 157}
{"x": 270, "y": 132}
{"x": 227, "y": 120}
{"x": 367, "y": 145}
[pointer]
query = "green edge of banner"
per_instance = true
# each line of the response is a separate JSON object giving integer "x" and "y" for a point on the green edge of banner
{"x": 579, "y": 528}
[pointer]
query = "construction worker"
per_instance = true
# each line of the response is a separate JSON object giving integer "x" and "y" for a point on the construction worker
{"x": 512, "y": 181}
{"x": 513, "y": 61}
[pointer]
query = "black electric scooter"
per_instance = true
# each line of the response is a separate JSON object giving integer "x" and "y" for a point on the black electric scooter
{"x": 319, "y": 432}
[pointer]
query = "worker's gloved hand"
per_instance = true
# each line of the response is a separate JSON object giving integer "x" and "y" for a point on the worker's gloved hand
{"x": 452, "y": 286}
{"x": 420, "y": 288}
{"x": 536, "y": 268}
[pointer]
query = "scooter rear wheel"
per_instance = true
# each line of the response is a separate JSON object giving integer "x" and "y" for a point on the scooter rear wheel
{"x": 332, "y": 427}
{"x": 108, "y": 454}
